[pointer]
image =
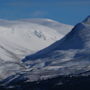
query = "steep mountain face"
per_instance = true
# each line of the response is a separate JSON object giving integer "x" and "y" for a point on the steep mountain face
{"x": 71, "y": 55}
{"x": 21, "y": 38}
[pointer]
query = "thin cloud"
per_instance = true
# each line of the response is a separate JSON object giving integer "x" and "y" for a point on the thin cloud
{"x": 38, "y": 13}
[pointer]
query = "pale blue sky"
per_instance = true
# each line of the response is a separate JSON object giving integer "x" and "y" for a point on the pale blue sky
{"x": 65, "y": 11}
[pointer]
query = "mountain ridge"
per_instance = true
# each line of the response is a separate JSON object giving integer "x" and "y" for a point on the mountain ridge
{"x": 70, "y": 55}
{"x": 80, "y": 33}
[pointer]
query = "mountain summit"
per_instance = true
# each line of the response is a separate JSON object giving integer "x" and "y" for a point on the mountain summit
{"x": 59, "y": 27}
{"x": 87, "y": 20}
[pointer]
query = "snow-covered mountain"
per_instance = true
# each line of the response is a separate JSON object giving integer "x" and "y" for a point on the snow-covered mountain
{"x": 20, "y": 38}
{"x": 70, "y": 55}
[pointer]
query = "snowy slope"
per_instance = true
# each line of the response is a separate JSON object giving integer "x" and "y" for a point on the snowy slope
{"x": 59, "y": 27}
{"x": 71, "y": 55}
{"x": 30, "y": 34}
{"x": 27, "y": 35}
{"x": 20, "y": 38}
